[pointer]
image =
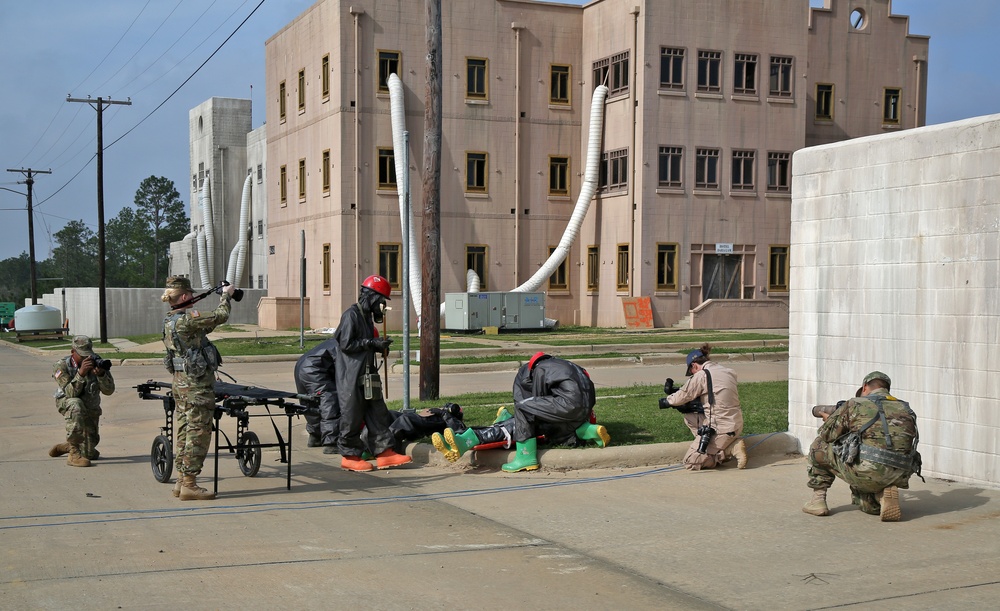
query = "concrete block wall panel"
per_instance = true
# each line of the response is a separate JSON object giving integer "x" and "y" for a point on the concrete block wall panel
{"x": 895, "y": 265}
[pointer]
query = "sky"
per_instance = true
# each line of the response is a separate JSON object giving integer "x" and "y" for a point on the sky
{"x": 168, "y": 56}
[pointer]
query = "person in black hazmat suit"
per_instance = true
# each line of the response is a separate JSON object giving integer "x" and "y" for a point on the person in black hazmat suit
{"x": 412, "y": 425}
{"x": 555, "y": 391}
{"x": 314, "y": 375}
{"x": 359, "y": 387}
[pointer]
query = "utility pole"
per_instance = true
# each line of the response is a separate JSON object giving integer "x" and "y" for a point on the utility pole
{"x": 101, "y": 287}
{"x": 430, "y": 309}
{"x": 31, "y": 228}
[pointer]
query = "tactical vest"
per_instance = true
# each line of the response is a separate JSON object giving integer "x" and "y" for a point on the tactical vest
{"x": 194, "y": 361}
{"x": 852, "y": 447}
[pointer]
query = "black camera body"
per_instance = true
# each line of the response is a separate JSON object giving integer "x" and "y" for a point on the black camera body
{"x": 99, "y": 363}
{"x": 237, "y": 294}
{"x": 691, "y": 407}
{"x": 705, "y": 434}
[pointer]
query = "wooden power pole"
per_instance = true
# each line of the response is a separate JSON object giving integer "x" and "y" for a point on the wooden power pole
{"x": 430, "y": 308}
{"x": 101, "y": 287}
{"x": 28, "y": 180}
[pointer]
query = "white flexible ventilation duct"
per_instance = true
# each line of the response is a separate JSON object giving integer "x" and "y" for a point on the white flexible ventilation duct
{"x": 207, "y": 220}
{"x": 202, "y": 264}
{"x": 237, "y": 257}
{"x": 397, "y": 110}
{"x": 471, "y": 281}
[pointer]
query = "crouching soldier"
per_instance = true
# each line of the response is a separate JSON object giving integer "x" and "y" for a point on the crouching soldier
{"x": 82, "y": 377}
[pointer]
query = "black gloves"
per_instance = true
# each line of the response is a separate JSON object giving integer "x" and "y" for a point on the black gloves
{"x": 668, "y": 387}
{"x": 380, "y": 345}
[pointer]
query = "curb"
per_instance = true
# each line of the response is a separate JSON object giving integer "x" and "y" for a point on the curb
{"x": 654, "y": 454}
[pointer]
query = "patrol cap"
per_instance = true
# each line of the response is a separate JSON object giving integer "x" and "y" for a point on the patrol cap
{"x": 877, "y": 375}
{"x": 83, "y": 346}
{"x": 691, "y": 357}
{"x": 179, "y": 282}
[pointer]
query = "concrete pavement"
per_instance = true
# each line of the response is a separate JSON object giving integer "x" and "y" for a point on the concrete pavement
{"x": 433, "y": 536}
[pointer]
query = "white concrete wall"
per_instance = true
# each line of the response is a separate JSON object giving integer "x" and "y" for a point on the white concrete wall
{"x": 132, "y": 311}
{"x": 895, "y": 265}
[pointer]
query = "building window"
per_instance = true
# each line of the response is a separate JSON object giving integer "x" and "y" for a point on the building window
{"x": 477, "y": 78}
{"x": 671, "y": 162}
{"x": 559, "y": 280}
{"x": 260, "y": 173}
{"x": 666, "y": 267}
{"x": 593, "y": 268}
{"x": 671, "y": 68}
{"x": 324, "y": 77}
{"x": 386, "y": 168}
{"x": 560, "y": 75}
{"x": 476, "y": 258}
{"x": 302, "y": 89}
{"x": 302, "y": 180}
{"x": 706, "y": 169}
{"x": 326, "y": 267}
{"x": 390, "y": 264}
{"x": 777, "y": 275}
{"x": 475, "y": 172}
{"x": 388, "y": 63}
{"x": 260, "y": 229}
{"x": 710, "y": 71}
{"x": 613, "y": 72}
{"x": 781, "y": 77}
{"x": 824, "y": 101}
{"x": 558, "y": 175}
{"x": 621, "y": 277}
{"x": 613, "y": 173}
{"x": 281, "y": 100}
{"x": 745, "y": 74}
{"x": 890, "y": 105}
{"x": 326, "y": 171}
{"x": 779, "y": 172}
{"x": 282, "y": 184}
{"x": 743, "y": 170}
{"x": 260, "y": 280}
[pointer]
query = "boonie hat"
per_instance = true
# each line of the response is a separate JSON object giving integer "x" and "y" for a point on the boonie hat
{"x": 691, "y": 357}
{"x": 877, "y": 375}
{"x": 179, "y": 282}
{"x": 83, "y": 346}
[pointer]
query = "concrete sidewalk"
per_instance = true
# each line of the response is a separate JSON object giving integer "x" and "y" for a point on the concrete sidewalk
{"x": 456, "y": 536}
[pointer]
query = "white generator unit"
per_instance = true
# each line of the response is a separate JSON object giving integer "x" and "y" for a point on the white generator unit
{"x": 508, "y": 311}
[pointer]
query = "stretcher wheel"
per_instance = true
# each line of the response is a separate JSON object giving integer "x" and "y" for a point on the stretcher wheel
{"x": 161, "y": 459}
{"x": 248, "y": 454}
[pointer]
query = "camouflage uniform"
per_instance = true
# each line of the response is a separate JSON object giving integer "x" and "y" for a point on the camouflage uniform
{"x": 866, "y": 477}
{"x": 184, "y": 334}
{"x": 78, "y": 399}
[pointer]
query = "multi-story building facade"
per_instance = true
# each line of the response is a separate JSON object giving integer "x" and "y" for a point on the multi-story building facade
{"x": 708, "y": 99}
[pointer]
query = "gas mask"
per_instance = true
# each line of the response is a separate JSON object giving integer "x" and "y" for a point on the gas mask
{"x": 373, "y": 303}
{"x": 378, "y": 310}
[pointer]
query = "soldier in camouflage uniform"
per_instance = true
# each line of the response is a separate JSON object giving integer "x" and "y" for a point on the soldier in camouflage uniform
{"x": 81, "y": 383}
{"x": 193, "y": 360}
{"x": 870, "y": 442}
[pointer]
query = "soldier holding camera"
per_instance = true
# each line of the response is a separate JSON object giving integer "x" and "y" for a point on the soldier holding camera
{"x": 82, "y": 377}
{"x": 710, "y": 403}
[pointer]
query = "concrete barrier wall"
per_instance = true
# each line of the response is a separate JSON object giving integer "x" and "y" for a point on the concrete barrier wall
{"x": 133, "y": 311}
{"x": 895, "y": 266}
{"x": 740, "y": 314}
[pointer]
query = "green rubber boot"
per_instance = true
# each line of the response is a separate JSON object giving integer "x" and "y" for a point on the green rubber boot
{"x": 594, "y": 432}
{"x": 503, "y": 414}
{"x": 461, "y": 443}
{"x": 525, "y": 459}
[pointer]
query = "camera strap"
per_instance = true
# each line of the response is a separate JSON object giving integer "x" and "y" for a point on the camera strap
{"x": 711, "y": 394}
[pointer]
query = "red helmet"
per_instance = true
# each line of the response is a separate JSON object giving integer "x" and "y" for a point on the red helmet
{"x": 378, "y": 284}
{"x": 534, "y": 359}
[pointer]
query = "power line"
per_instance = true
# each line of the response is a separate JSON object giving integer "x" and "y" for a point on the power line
{"x": 141, "y": 47}
{"x": 101, "y": 63}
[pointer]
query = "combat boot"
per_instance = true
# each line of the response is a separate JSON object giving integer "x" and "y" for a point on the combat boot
{"x": 817, "y": 504}
{"x": 889, "y": 499}
{"x": 502, "y": 414}
{"x": 462, "y": 442}
{"x": 525, "y": 459}
{"x": 389, "y": 458}
{"x": 594, "y": 432}
{"x": 177, "y": 486}
{"x": 355, "y": 463}
{"x": 60, "y": 449}
{"x": 314, "y": 441}
{"x": 76, "y": 459}
{"x": 190, "y": 491}
{"x": 740, "y": 452}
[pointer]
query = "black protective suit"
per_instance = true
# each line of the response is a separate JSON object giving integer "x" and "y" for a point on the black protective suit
{"x": 556, "y": 392}
{"x": 414, "y": 425}
{"x": 355, "y": 359}
{"x": 315, "y": 375}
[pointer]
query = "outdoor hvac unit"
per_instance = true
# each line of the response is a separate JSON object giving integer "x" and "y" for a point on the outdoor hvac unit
{"x": 474, "y": 311}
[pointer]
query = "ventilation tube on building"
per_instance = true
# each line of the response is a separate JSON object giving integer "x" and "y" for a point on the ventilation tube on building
{"x": 397, "y": 110}
{"x": 208, "y": 221}
{"x": 237, "y": 258}
{"x": 202, "y": 258}
{"x": 471, "y": 281}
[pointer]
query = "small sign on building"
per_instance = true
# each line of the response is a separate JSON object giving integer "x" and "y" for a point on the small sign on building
{"x": 724, "y": 249}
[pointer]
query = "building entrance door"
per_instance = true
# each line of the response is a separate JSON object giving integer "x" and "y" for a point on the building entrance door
{"x": 720, "y": 276}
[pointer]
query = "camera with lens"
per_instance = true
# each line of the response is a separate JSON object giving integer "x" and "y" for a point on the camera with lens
{"x": 99, "y": 363}
{"x": 691, "y": 407}
{"x": 705, "y": 434}
{"x": 237, "y": 294}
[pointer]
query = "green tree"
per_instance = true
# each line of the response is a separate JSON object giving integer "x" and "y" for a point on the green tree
{"x": 128, "y": 260}
{"x": 75, "y": 256}
{"x": 15, "y": 279}
{"x": 160, "y": 211}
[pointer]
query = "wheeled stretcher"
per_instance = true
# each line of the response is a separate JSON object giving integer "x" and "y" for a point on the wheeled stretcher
{"x": 242, "y": 403}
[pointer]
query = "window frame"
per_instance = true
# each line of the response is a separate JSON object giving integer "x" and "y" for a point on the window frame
{"x": 673, "y": 63}
{"x": 302, "y": 180}
{"x": 324, "y": 79}
{"x": 484, "y": 255}
{"x": 708, "y": 62}
{"x": 477, "y": 78}
{"x": 390, "y": 263}
{"x": 667, "y": 256}
{"x": 559, "y": 173}
{"x": 282, "y": 185}
{"x": 707, "y": 161}
{"x": 891, "y": 97}
{"x": 824, "y": 101}
{"x": 782, "y": 70}
{"x": 560, "y": 77}
{"x": 675, "y": 166}
{"x": 593, "y": 268}
{"x": 282, "y": 103}
{"x": 326, "y": 268}
{"x": 612, "y": 163}
{"x": 744, "y": 163}
{"x": 622, "y": 268}
{"x": 779, "y": 166}
{"x": 387, "y": 59}
{"x": 479, "y": 158}
{"x": 302, "y": 90}
{"x": 745, "y": 69}
{"x": 326, "y": 171}
{"x": 385, "y": 176}
{"x": 615, "y": 70}
{"x": 561, "y": 270}
{"x": 778, "y": 264}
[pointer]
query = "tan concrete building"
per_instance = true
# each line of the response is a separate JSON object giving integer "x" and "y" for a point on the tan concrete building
{"x": 708, "y": 100}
